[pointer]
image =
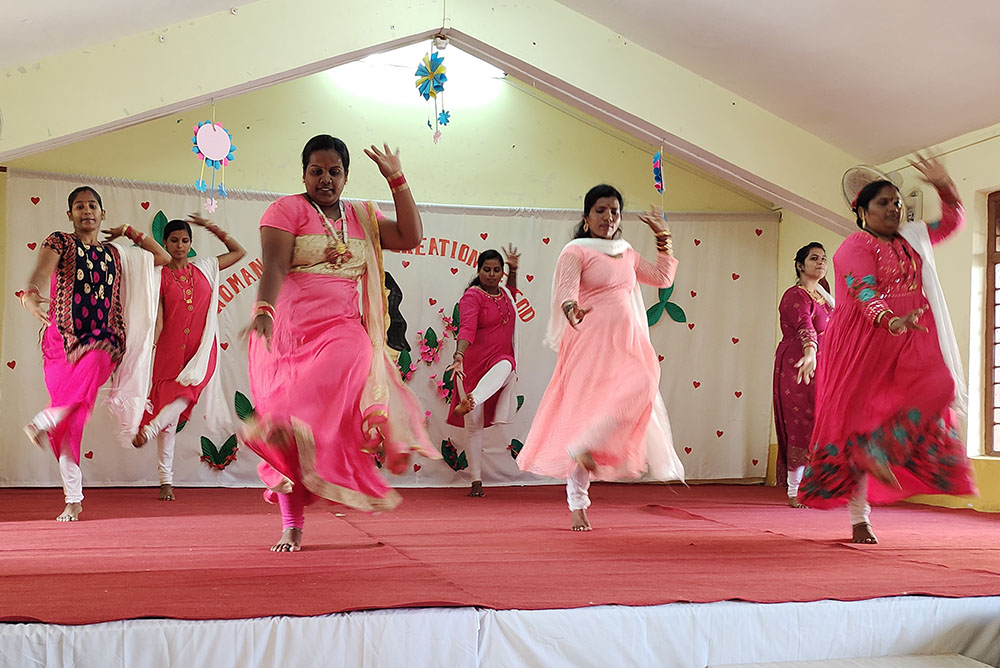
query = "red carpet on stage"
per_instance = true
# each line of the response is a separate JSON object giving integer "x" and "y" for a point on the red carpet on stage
{"x": 205, "y": 555}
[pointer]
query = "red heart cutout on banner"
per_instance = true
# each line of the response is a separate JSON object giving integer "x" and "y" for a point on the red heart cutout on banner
{"x": 690, "y": 325}
{"x": 454, "y": 271}
{"x": 758, "y": 231}
{"x": 144, "y": 205}
{"x": 406, "y": 263}
{"x": 693, "y": 294}
{"x": 32, "y": 245}
{"x": 89, "y": 454}
{"x": 432, "y": 301}
{"x": 754, "y": 462}
{"x": 661, "y": 357}
{"x": 224, "y": 346}
{"x": 697, "y": 242}
{"x": 416, "y": 467}
{"x": 529, "y": 277}
{"x": 687, "y": 451}
{"x": 736, "y": 277}
{"x": 19, "y": 294}
{"x": 719, "y": 433}
{"x": 35, "y": 200}
{"x": 738, "y": 394}
{"x": 696, "y": 384}
{"x": 483, "y": 235}
{"x": 11, "y": 364}
{"x": 545, "y": 240}
{"x": 735, "y": 340}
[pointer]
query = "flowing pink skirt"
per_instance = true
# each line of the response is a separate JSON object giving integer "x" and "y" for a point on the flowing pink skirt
{"x": 72, "y": 386}
{"x": 307, "y": 388}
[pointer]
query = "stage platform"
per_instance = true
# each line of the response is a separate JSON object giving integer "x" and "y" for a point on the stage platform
{"x": 498, "y": 577}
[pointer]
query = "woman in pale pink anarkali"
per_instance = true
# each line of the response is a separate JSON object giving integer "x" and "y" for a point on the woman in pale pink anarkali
{"x": 803, "y": 311}
{"x": 328, "y": 399}
{"x": 890, "y": 375}
{"x": 485, "y": 360}
{"x": 602, "y": 416}
{"x": 187, "y": 345}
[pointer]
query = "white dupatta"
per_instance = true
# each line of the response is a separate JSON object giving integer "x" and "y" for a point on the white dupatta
{"x": 917, "y": 235}
{"x": 139, "y": 293}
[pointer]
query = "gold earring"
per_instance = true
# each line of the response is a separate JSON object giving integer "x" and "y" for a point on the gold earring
{"x": 586, "y": 227}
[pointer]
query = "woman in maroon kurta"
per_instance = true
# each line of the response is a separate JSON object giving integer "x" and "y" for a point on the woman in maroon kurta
{"x": 484, "y": 364}
{"x": 804, "y": 310}
{"x": 187, "y": 344}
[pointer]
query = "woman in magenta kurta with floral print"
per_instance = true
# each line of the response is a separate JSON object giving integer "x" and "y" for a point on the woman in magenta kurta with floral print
{"x": 329, "y": 400}
{"x": 889, "y": 375}
{"x": 602, "y": 414}
{"x": 85, "y": 327}
{"x": 187, "y": 343}
{"x": 485, "y": 360}
{"x": 804, "y": 311}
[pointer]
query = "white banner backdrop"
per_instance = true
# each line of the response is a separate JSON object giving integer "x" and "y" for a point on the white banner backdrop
{"x": 716, "y": 364}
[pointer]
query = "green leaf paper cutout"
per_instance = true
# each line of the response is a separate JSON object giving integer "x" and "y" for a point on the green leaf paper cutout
{"x": 654, "y": 313}
{"x": 208, "y": 449}
{"x": 159, "y": 222}
{"x": 675, "y": 312}
{"x": 244, "y": 409}
{"x": 515, "y": 448}
{"x": 454, "y": 317}
{"x": 404, "y": 363}
{"x": 520, "y": 402}
{"x": 431, "y": 337}
{"x": 227, "y": 448}
{"x": 664, "y": 293}
{"x": 180, "y": 426}
{"x": 449, "y": 380}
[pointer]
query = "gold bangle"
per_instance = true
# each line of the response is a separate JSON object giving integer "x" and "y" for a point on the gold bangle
{"x": 399, "y": 189}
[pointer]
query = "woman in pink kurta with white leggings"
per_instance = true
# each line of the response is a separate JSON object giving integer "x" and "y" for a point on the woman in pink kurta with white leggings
{"x": 602, "y": 416}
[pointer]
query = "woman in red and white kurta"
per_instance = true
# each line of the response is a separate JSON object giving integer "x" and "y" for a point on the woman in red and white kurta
{"x": 187, "y": 345}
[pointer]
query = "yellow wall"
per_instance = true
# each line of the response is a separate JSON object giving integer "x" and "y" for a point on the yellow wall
{"x": 137, "y": 77}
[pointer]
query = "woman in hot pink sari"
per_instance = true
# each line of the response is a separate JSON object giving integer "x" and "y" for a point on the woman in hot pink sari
{"x": 890, "y": 376}
{"x": 602, "y": 415}
{"x": 804, "y": 311}
{"x": 328, "y": 398}
{"x": 485, "y": 360}
{"x": 85, "y": 327}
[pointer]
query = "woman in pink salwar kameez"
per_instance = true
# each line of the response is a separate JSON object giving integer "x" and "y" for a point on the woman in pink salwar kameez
{"x": 85, "y": 329}
{"x": 804, "y": 311}
{"x": 329, "y": 402}
{"x": 187, "y": 346}
{"x": 485, "y": 360}
{"x": 602, "y": 415}
{"x": 889, "y": 377}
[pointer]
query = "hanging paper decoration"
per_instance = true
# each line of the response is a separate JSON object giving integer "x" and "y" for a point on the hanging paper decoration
{"x": 213, "y": 144}
{"x": 430, "y": 84}
{"x": 658, "y": 171}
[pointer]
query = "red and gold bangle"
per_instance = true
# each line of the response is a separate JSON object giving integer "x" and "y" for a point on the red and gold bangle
{"x": 397, "y": 182}
{"x": 263, "y": 308}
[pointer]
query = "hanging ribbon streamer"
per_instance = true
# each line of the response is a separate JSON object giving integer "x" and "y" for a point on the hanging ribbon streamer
{"x": 430, "y": 84}
{"x": 658, "y": 174}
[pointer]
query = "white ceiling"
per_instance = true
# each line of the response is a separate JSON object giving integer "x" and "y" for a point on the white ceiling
{"x": 876, "y": 78}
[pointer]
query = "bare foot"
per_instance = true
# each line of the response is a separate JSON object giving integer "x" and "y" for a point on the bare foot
{"x": 862, "y": 533}
{"x": 37, "y": 436}
{"x": 291, "y": 541}
{"x": 477, "y": 488}
{"x": 794, "y": 503}
{"x": 580, "y": 521}
{"x": 143, "y": 436}
{"x": 71, "y": 513}
{"x": 586, "y": 460}
{"x": 166, "y": 492}
{"x": 464, "y": 406}
{"x": 283, "y": 487}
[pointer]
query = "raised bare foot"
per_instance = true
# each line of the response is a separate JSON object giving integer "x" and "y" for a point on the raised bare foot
{"x": 291, "y": 541}
{"x": 586, "y": 460}
{"x": 37, "y": 436}
{"x": 143, "y": 436}
{"x": 464, "y": 406}
{"x": 794, "y": 503}
{"x": 862, "y": 533}
{"x": 166, "y": 492}
{"x": 71, "y": 513}
{"x": 477, "y": 488}
{"x": 580, "y": 521}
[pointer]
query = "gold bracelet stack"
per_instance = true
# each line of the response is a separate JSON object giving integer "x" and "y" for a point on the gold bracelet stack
{"x": 664, "y": 242}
